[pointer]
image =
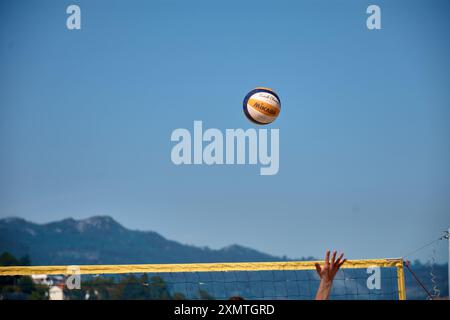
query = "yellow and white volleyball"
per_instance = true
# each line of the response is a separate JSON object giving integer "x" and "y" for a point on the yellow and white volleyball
{"x": 262, "y": 105}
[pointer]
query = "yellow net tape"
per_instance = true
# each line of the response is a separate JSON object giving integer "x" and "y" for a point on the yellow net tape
{"x": 192, "y": 267}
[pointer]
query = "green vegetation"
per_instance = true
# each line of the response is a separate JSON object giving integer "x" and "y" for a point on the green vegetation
{"x": 19, "y": 287}
{"x": 129, "y": 287}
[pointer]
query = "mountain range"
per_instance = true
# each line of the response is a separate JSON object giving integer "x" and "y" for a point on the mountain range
{"x": 102, "y": 240}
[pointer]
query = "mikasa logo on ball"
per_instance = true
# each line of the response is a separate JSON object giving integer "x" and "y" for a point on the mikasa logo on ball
{"x": 261, "y": 106}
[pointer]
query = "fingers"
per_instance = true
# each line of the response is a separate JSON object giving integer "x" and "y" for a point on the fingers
{"x": 318, "y": 269}
{"x": 342, "y": 262}
{"x": 339, "y": 258}
{"x": 334, "y": 263}
{"x": 333, "y": 259}
{"x": 327, "y": 258}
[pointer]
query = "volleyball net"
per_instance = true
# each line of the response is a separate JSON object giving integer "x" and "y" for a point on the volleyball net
{"x": 372, "y": 279}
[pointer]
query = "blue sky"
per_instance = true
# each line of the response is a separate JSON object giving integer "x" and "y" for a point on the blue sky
{"x": 86, "y": 118}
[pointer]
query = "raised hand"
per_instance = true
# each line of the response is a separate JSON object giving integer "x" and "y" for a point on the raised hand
{"x": 327, "y": 273}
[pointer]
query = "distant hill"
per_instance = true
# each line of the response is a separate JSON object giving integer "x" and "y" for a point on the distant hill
{"x": 102, "y": 240}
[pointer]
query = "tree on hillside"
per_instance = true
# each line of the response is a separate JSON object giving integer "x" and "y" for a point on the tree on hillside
{"x": 19, "y": 287}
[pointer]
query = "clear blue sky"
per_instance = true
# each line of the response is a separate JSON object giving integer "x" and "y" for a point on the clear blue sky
{"x": 86, "y": 118}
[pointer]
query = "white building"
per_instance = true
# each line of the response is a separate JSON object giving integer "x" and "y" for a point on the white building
{"x": 55, "y": 284}
{"x": 42, "y": 279}
{"x": 56, "y": 293}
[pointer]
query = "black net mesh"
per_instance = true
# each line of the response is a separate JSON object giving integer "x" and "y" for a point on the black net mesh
{"x": 261, "y": 285}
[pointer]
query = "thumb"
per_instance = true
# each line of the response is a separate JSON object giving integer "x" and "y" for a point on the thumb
{"x": 318, "y": 269}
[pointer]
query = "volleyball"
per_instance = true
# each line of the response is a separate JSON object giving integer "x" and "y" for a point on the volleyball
{"x": 262, "y": 105}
